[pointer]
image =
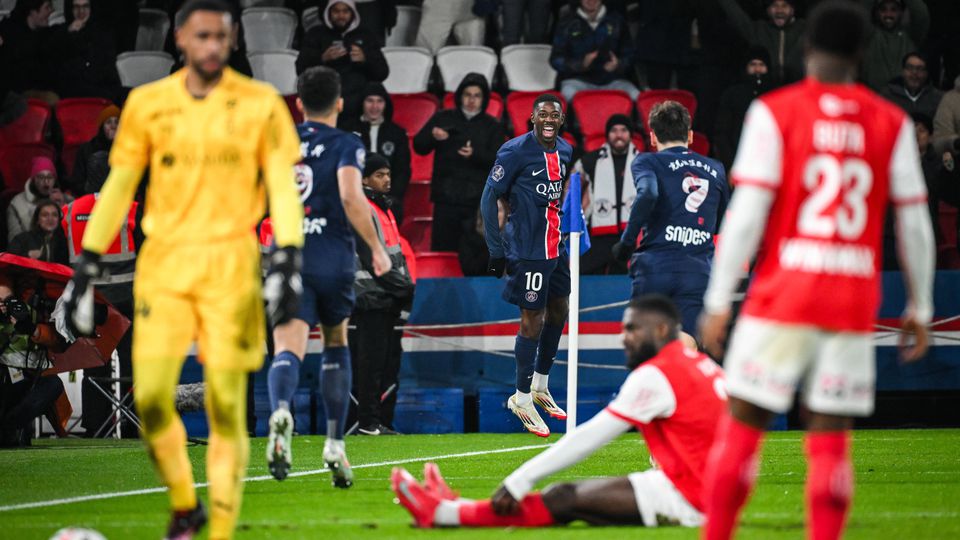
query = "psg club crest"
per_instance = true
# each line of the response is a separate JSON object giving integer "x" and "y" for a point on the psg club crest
{"x": 531, "y": 296}
{"x": 497, "y": 173}
{"x": 361, "y": 158}
{"x": 388, "y": 148}
{"x": 304, "y": 175}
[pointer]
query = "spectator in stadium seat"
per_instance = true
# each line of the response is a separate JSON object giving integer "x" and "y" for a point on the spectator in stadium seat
{"x": 664, "y": 45}
{"x": 912, "y": 90}
{"x": 45, "y": 240}
{"x": 29, "y": 50}
{"x": 734, "y": 102}
{"x": 377, "y": 16}
{"x": 781, "y": 34}
{"x": 946, "y": 123}
{"x": 890, "y": 41}
{"x": 341, "y": 44}
{"x": 382, "y": 135}
{"x": 440, "y": 18}
{"x": 608, "y": 195}
{"x": 375, "y": 345}
{"x": 465, "y": 140}
{"x": 88, "y": 58}
{"x": 89, "y": 167}
{"x": 592, "y": 50}
{"x": 41, "y": 185}
{"x": 532, "y": 12}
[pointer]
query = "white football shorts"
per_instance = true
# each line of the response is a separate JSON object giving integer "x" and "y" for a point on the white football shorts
{"x": 659, "y": 501}
{"x": 768, "y": 361}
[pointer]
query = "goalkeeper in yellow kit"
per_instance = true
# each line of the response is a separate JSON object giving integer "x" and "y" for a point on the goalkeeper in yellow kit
{"x": 216, "y": 143}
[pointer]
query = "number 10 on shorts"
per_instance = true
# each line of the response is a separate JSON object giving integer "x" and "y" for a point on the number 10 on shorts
{"x": 534, "y": 281}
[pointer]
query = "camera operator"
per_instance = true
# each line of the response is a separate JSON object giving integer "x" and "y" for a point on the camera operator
{"x": 24, "y": 392}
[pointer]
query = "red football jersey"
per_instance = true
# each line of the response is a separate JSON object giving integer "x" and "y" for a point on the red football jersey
{"x": 834, "y": 156}
{"x": 680, "y": 434}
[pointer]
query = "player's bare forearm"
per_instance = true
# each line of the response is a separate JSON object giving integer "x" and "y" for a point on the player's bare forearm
{"x": 286, "y": 210}
{"x": 111, "y": 208}
{"x": 917, "y": 252}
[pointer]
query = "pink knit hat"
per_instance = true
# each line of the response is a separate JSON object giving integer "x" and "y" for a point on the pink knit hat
{"x": 41, "y": 164}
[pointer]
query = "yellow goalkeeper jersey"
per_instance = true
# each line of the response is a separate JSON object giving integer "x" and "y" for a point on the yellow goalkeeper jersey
{"x": 209, "y": 161}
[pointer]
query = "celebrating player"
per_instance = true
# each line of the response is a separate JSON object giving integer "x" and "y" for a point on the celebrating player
{"x": 529, "y": 173}
{"x": 207, "y": 134}
{"x": 819, "y": 161}
{"x": 330, "y": 182}
{"x": 681, "y": 196}
{"x": 674, "y": 396}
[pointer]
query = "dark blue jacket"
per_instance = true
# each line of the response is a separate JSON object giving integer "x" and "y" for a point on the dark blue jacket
{"x": 574, "y": 39}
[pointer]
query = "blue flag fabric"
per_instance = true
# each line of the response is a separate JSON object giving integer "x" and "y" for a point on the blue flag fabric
{"x": 572, "y": 219}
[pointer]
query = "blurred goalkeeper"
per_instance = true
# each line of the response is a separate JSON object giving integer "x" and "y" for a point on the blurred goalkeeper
{"x": 208, "y": 135}
{"x": 674, "y": 396}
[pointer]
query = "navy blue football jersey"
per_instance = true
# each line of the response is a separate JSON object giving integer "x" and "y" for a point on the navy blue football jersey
{"x": 532, "y": 179}
{"x": 692, "y": 194}
{"x": 328, "y": 248}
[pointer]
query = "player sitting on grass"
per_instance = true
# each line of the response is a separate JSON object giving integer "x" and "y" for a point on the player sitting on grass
{"x": 674, "y": 396}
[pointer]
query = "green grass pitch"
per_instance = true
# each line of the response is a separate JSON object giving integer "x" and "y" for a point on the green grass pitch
{"x": 908, "y": 486}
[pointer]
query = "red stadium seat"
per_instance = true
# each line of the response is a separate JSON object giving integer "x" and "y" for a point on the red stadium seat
{"x": 438, "y": 264}
{"x": 639, "y": 142}
{"x": 29, "y": 128}
{"x": 16, "y": 161}
{"x": 411, "y": 111}
{"x": 78, "y": 118}
{"x": 519, "y": 106}
{"x": 594, "y": 107}
{"x": 700, "y": 144}
{"x": 68, "y": 157}
{"x": 291, "y": 101}
{"x": 494, "y": 108}
{"x": 947, "y": 255}
{"x": 416, "y": 201}
{"x": 421, "y": 167}
{"x": 418, "y": 231}
{"x": 646, "y": 101}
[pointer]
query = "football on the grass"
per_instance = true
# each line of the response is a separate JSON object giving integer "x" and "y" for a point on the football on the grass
{"x": 76, "y": 533}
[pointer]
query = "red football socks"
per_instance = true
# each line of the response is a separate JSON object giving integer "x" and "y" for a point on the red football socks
{"x": 731, "y": 473}
{"x": 829, "y": 483}
{"x": 533, "y": 513}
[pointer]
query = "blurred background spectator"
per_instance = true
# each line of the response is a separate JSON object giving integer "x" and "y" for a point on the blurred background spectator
{"x": 465, "y": 140}
{"x": 912, "y": 90}
{"x": 528, "y": 19}
{"x": 946, "y": 123}
{"x": 92, "y": 162}
{"x": 377, "y": 16}
{"x": 608, "y": 195}
{"x": 29, "y": 51}
{"x": 382, "y": 135}
{"x": 780, "y": 32}
{"x": 87, "y": 54}
{"x": 41, "y": 185}
{"x": 754, "y": 80}
{"x": 664, "y": 45}
{"x": 592, "y": 50}
{"x": 890, "y": 41}
{"x": 441, "y": 18}
{"x": 340, "y": 43}
{"x": 45, "y": 240}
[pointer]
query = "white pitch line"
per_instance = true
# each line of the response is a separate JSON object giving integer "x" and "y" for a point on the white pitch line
{"x": 147, "y": 491}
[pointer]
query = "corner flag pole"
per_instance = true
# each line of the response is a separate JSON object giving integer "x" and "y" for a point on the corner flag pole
{"x": 573, "y": 336}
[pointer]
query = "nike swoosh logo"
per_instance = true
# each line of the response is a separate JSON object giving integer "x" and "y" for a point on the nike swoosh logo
{"x": 538, "y": 172}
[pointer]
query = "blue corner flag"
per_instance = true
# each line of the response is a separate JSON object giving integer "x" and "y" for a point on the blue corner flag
{"x": 572, "y": 219}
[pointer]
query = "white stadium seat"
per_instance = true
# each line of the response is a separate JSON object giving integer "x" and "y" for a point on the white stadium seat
{"x": 409, "y": 69}
{"x": 244, "y": 4}
{"x": 404, "y": 34}
{"x": 528, "y": 67}
{"x": 310, "y": 18}
{"x": 142, "y": 67}
{"x": 152, "y": 33}
{"x": 278, "y": 68}
{"x": 268, "y": 28}
{"x": 458, "y": 60}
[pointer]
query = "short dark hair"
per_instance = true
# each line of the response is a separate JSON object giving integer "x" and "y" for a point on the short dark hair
{"x": 547, "y": 98}
{"x": 922, "y": 119}
{"x": 659, "y": 304}
{"x": 838, "y": 27}
{"x": 319, "y": 89}
{"x": 913, "y": 54}
{"x": 670, "y": 121}
{"x": 217, "y": 6}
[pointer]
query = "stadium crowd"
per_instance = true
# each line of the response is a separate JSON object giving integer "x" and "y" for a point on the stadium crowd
{"x": 63, "y": 84}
